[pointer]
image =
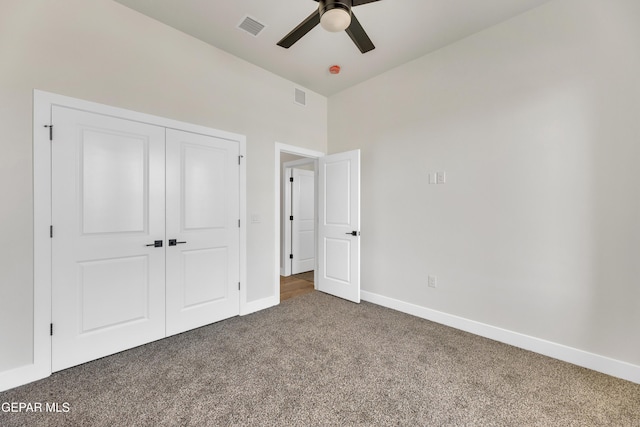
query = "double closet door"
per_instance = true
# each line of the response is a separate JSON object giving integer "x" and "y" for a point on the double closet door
{"x": 145, "y": 240}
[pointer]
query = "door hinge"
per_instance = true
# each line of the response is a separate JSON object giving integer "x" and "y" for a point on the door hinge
{"x": 291, "y": 179}
{"x": 290, "y": 256}
{"x": 51, "y": 329}
{"x": 238, "y": 285}
{"x": 240, "y": 158}
{"x": 51, "y": 231}
{"x": 291, "y": 218}
{"x": 50, "y": 131}
{"x": 238, "y": 223}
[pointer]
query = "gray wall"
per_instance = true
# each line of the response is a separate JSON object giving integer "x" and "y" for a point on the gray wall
{"x": 101, "y": 51}
{"x": 535, "y": 122}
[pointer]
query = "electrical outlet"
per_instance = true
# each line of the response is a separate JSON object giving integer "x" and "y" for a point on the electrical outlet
{"x": 432, "y": 178}
{"x": 432, "y": 281}
{"x": 441, "y": 177}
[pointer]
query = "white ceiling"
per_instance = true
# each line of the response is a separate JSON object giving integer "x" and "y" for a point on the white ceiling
{"x": 401, "y": 30}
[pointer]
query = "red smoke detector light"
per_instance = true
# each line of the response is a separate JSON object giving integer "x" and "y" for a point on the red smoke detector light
{"x": 334, "y": 69}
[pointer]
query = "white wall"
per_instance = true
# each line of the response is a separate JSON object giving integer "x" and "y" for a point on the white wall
{"x": 536, "y": 123}
{"x": 101, "y": 51}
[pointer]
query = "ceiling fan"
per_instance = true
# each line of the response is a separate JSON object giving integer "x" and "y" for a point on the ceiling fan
{"x": 334, "y": 16}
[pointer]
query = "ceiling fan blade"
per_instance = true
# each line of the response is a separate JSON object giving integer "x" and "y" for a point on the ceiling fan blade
{"x": 359, "y": 2}
{"x": 302, "y": 29}
{"x": 359, "y": 36}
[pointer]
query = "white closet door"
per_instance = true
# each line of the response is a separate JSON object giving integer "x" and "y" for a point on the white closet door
{"x": 202, "y": 221}
{"x": 303, "y": 211}
{"x": 108, "y": 284}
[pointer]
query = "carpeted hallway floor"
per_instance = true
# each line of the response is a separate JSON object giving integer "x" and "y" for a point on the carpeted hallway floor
{"x": 319, "y": 360}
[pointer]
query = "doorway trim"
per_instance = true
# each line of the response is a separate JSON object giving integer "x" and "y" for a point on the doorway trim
{"x": 42, "y": 103}
{"x": 298, "y": 151}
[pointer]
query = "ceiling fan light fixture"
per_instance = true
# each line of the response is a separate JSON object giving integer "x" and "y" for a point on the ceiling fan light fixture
{"x": 336, "y": 19}
{"x": 333, "y": 15}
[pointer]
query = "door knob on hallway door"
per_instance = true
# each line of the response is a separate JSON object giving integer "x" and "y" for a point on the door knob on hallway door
{"x": 354, "y": 233}
{"x": 156, "y": 244}
{"x": 174, "y": 242}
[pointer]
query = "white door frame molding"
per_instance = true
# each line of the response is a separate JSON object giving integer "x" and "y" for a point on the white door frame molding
{"x": 40, "y": 366}
{"x": 298, "y": 151}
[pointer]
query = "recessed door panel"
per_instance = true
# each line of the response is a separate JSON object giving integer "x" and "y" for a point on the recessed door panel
{"x": 336, "y": 259}
{"x": 205, "y": 276}
{"x": 113, "y": 292}
{"x": 113, "y": 182}
{"x": 202, "y": 218}
{"x": 337, "y": 193}
{"x": 108, "y": 277}
{"x": 204, "y": 186}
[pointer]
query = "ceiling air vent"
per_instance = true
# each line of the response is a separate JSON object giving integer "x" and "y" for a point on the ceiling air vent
{"x": 251, "y": 26}
{"x": 300, "y": 97}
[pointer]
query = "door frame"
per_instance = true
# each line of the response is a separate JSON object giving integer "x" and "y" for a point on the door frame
{"x": 42, "y": 104}
{"x": 287, "y": 172}
{"x": 298, "y": 151}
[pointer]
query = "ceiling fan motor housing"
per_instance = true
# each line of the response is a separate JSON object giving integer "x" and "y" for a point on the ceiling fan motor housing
{"x": 326, "y": 5}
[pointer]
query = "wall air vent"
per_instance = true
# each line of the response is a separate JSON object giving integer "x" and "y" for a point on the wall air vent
{"x": 300, "y": 97}
{"x": 251, "y": 26}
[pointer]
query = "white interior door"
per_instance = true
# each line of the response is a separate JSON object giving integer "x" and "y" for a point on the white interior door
{"x": 303, "y": 246}
{"x": 339, "y": 225}
{"x": 202, "y": 230}
{"x": 108, "y": 283}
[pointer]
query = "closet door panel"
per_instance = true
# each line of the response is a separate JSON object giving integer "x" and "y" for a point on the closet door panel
{"x": 202, "y": 228}
{"x": 108, "y": 277}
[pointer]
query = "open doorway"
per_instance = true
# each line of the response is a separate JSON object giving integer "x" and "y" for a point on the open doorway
{"x": 296, "y": 217}
{"x": 337, "y": 227}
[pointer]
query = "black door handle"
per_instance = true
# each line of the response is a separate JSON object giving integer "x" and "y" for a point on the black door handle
{"x": 156, "y": 244}
{"x": 174, "y": 242}
{"x": 354, "y": 233}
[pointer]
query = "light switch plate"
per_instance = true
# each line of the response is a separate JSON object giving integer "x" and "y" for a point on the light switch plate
{"x": 432, "y": 281}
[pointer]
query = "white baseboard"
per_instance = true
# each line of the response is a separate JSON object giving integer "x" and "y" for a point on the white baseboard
{"x": 257, "y": 305}
{"x": 21, "y": 376}
{"x": 606, "y": 365}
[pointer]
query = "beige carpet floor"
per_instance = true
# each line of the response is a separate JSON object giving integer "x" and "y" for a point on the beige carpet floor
{"x": 317, "y": 360}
